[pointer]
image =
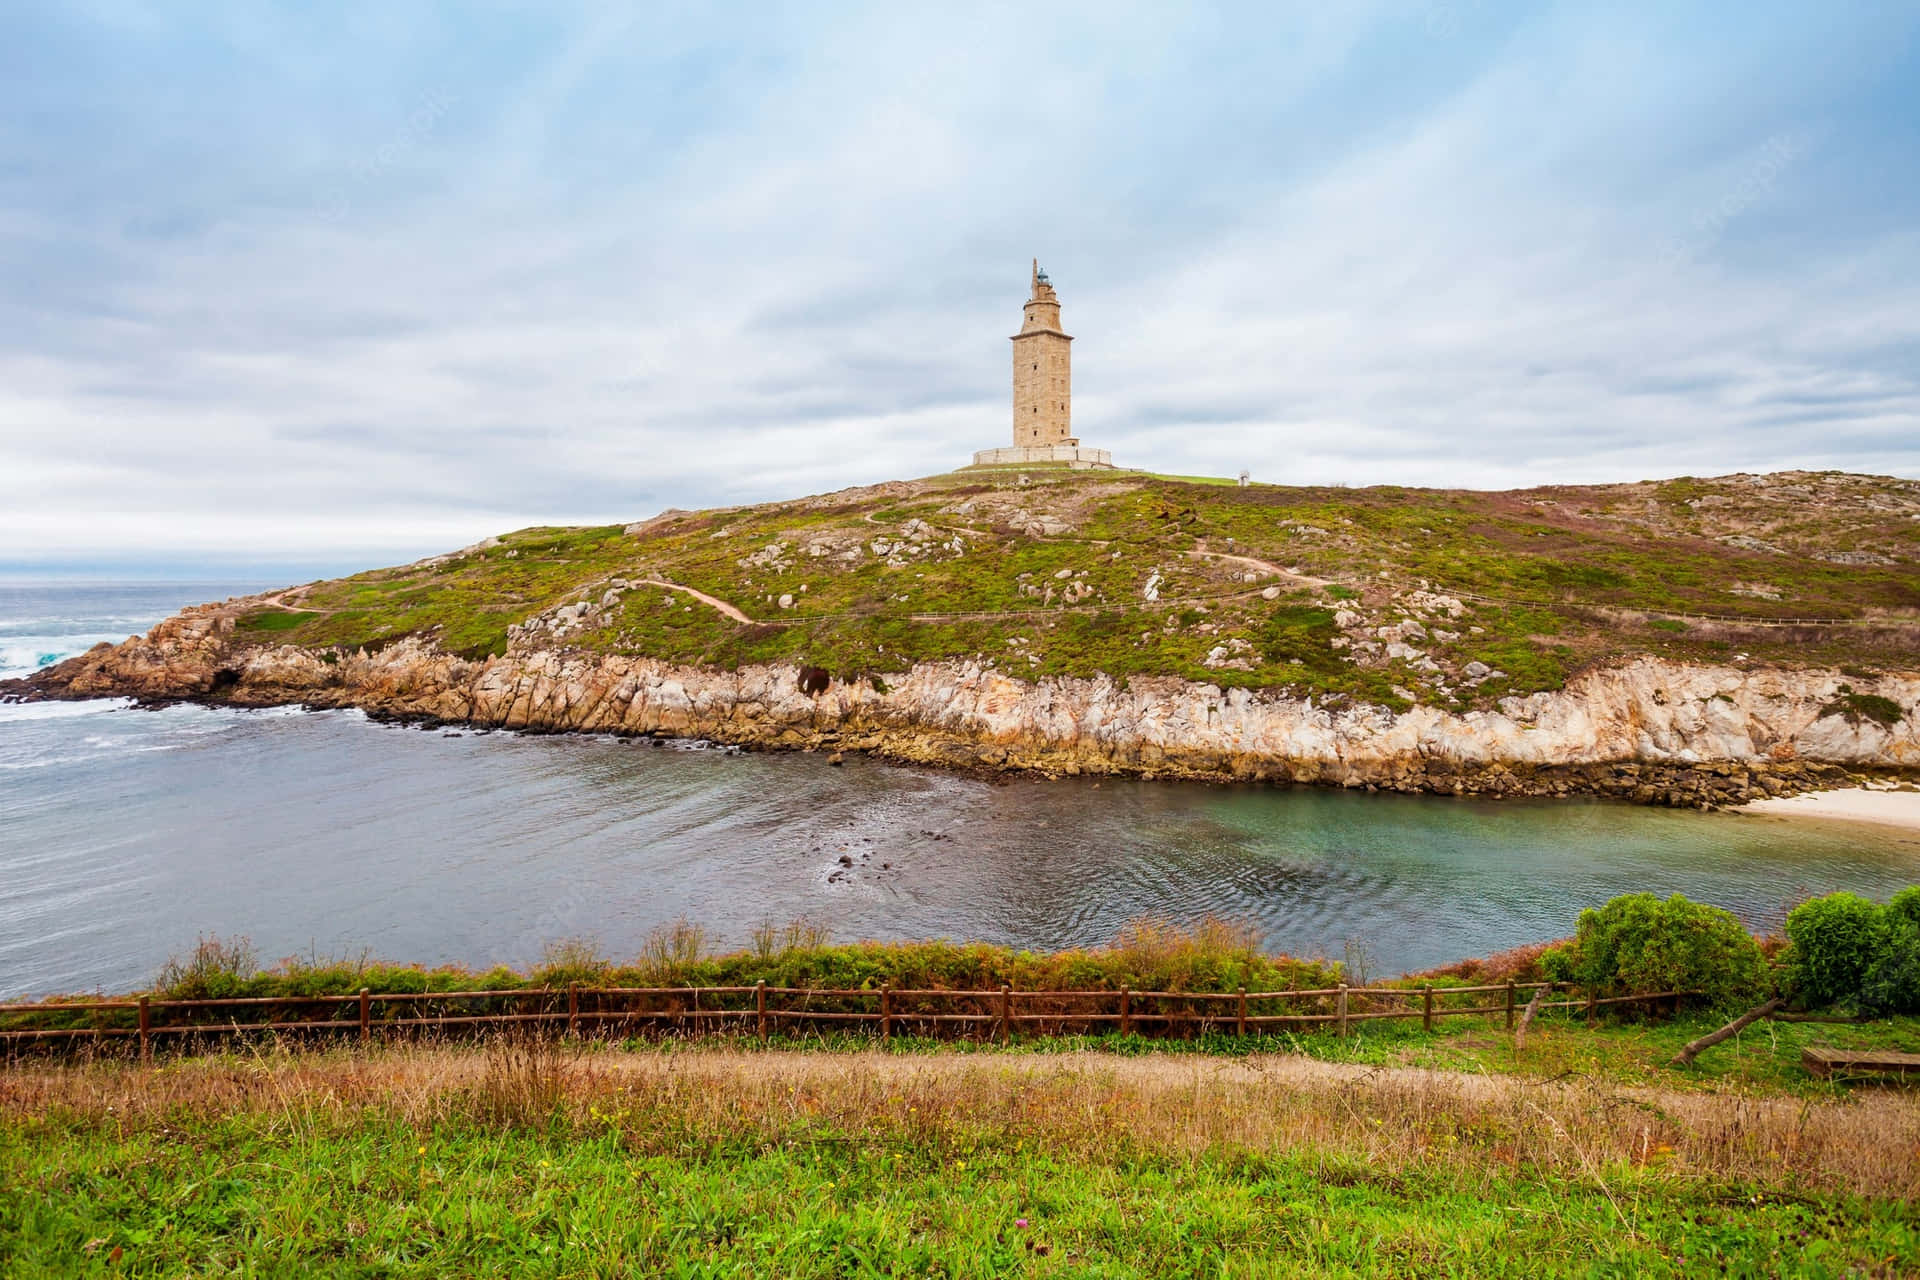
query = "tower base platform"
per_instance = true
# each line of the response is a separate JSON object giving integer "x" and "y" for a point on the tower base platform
{"x": 1070, "y": 455}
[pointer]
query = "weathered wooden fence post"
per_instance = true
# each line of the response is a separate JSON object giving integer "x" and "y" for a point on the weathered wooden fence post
{"x": 366, "y": 1015}
{"x": 146, "y": 1027}
{"x": 1006, "y": 1012}
{"x": 760, "y": 1007}
{"x": 1342, "y": 1009}
{"x": 1426, "y": 1012}
{"x": 573, "y": 1009}
{"x": 1240, "y": 1023}
{"x": 886, "y": 1011}
{"x": 1126, "y": 1010}
{"x": 1509, "y": 1004}
{"x": 1593, "y": 1005}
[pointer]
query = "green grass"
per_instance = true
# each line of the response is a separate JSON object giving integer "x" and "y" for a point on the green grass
{"x": 537, "y": 1160}
{"x": 1622, "y": 1050}
{"x": 272, "y": 620}
{"x": 240, "y": 1199}
{"x": 1571, "y": 576}
{"x": 1226, "y": 481}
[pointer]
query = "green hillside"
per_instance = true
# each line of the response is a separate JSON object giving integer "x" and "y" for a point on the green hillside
{"x": 1454, "y": 596}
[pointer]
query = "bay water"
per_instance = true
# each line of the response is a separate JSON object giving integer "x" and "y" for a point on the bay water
{"x": 126, "y": 833}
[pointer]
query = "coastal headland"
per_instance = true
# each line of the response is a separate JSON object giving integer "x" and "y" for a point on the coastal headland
{"x": 1686, "y": 642}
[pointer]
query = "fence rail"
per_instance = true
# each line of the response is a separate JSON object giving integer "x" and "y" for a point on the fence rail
{"x": 763, "y": 1008}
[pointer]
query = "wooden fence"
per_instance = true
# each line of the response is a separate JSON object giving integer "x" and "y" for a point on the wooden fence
{"x": 981, "y": 1012}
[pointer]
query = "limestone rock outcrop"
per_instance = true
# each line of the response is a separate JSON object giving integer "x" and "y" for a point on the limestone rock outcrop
{"x": 1649, "y": 730}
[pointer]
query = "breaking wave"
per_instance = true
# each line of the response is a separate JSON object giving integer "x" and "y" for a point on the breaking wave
{"x": 43, "y": 624}
{"x": 26, "y": 654}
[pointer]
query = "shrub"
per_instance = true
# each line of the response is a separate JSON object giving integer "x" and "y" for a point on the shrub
{"x": 1638, "y": 944}
{"x": 1836, "y": 940}
{"x": 571, "y": 960}
{"x": 1212, "y": 955}
{"x": 218, "y": 969}
{"x": 1557, "y": 963}
{"x": 673, "y": 949}
{"x": 1892, "y": 982}
{"x": 1856, "y": 707}
{"x": 1534, "y": 962}
{"x": 772, "y": 940}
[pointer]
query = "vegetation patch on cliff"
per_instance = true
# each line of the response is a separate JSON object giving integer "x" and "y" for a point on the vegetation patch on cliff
{"x": 273, "y": 620}
{"x": 1386, "y": 594}
{"x": 1857, "y": 707}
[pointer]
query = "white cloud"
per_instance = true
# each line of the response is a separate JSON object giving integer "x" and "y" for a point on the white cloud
{"x": 647, "y": 265}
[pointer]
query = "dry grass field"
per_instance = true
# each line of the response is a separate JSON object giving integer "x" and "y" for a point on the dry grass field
{"x": 512, "y": 1156}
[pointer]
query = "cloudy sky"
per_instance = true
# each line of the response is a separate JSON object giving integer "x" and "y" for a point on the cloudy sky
{"x": 371, "y": 281}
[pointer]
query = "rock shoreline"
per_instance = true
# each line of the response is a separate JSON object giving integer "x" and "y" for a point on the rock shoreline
{"x": 1645, "y": 730}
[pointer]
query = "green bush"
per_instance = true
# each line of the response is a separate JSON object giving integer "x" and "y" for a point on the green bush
{"x": 218, "y": 969}
{"x": 571, "y": 960}
{"x": 1557, "y": 963}
{"x": 1856, "y": 707}
{"x": 1892, "y": 982}
{"x": 1637, "y": 944}
{"x": 1836, "y": 940}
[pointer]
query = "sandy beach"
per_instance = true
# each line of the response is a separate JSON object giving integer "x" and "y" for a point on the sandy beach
{"x": 1853, "y": 804}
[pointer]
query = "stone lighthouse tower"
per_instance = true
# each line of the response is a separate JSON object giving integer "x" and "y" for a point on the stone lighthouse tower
{"x": 1043, "y": 390}
{"x": 1042, "y": 371}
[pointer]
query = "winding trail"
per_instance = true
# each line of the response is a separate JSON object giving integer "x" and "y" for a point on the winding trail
{"x": 1262, "y": 566}
{"x": 701, "y": 596}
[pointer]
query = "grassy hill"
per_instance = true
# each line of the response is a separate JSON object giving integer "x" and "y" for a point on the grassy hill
{"x": 1386, "y": 594}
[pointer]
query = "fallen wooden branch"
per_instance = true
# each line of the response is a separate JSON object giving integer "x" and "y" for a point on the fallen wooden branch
{"x": 1526, "y": 1019}
{"x": 1686, "y": 1056}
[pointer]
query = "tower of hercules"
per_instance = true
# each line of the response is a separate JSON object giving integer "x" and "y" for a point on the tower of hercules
{"x": 1043, "y": 390}
{"x": 1042, "y": 371}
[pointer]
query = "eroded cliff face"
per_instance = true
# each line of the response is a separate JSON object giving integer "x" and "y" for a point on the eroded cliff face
{"x": 1647, "y": 730}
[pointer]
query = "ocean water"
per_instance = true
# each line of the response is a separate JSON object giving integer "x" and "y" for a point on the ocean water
{"x": 126, "y": 833}
{"x": 41, "y": 623}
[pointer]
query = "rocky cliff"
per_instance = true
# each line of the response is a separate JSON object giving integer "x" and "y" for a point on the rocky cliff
{"x": 1647, "y": 729}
